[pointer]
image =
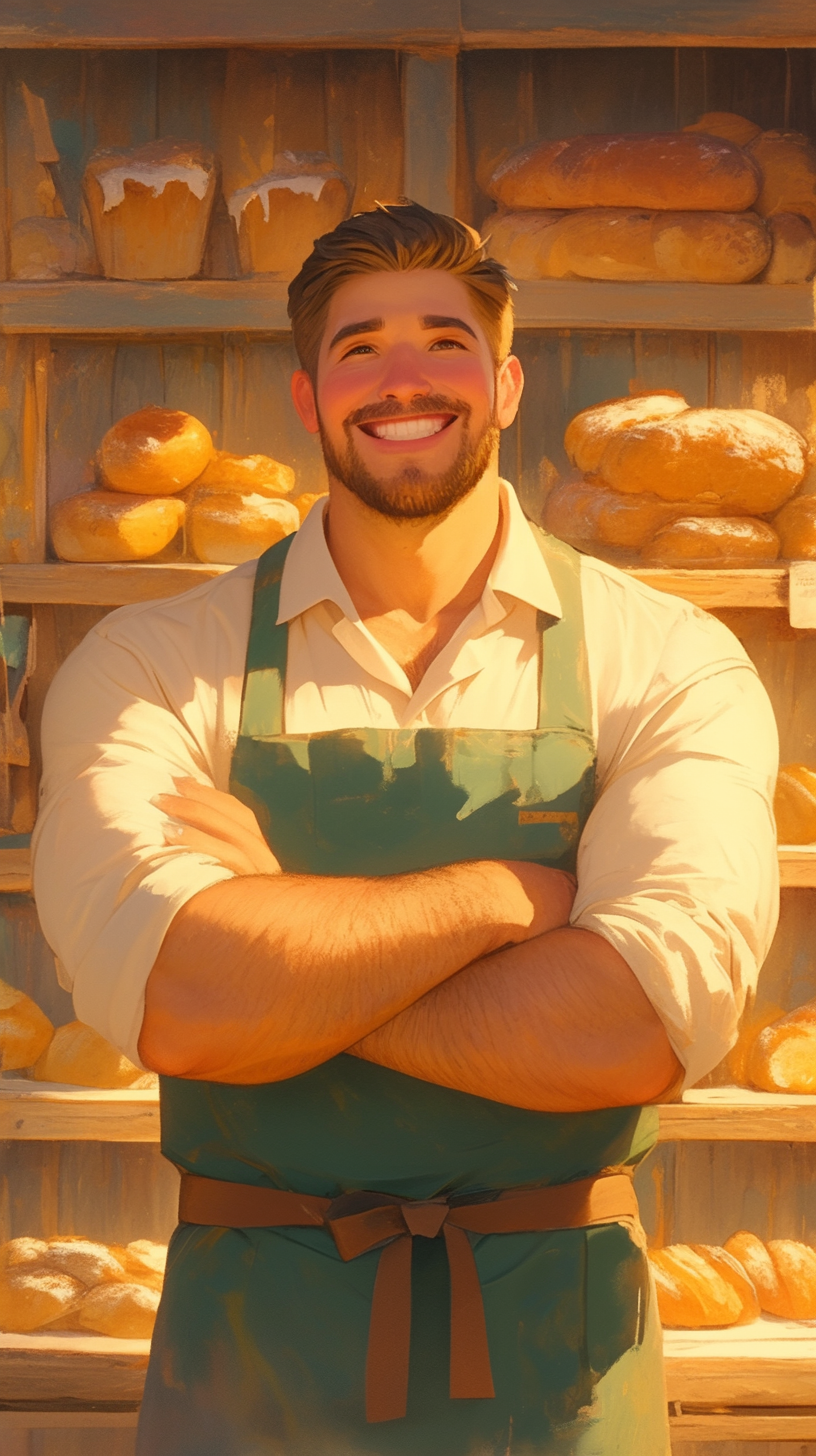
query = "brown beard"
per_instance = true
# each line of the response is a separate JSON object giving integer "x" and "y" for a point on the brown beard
{"x": 414, "y": 494}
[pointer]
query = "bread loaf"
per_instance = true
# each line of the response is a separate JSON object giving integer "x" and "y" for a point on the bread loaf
{"x": 91, "y": 1263}
{"x": 303, "y": 504}
{"x": 279, "y": 217}
{"x": 33, "y": 1297}
{"x": 729, "y": 125}
{"x": 143, "y": 1262}
{"x": 155, "y": 451}
{"x": 150, "y": 208}
{"x": 589, "y": 432}
{"x": 627, "y": 246}
{"x": 787, "y": 162}
{"x": 795, "y": 804}
{"x": 783, "y": 1057}
{"x": 80, "y": 1056}
{"x": 727, "y": 541}
{"x": 49, "y": 247}
{"x": 21, "y": 1252}
{"x": 587, "y": 514}
{"x": 782, "y": 1271}
{"x": 231, "y": 528}
{"x": 247, "y": 474}
{"x": 736, "y": 459}
{"x": 25, "y": 1030}
{"x": 691, "y": 1292}
{"x": 795, "y": 526}
{"x": 793, "y": 249}
{"x": 72, "y": 1283}
{"x": 101, "y": 525}
{"x": 682, "y": 171}
{"x": 734, "y": 1274}
{"x": 124, "y": 1311}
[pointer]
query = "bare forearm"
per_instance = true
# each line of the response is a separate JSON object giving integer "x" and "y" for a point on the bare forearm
{"x": 559, "y": 1024}
{"x": 262, "y": 977}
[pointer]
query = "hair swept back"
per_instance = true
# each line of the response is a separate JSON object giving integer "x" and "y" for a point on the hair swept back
{"x": 397, "y": 237}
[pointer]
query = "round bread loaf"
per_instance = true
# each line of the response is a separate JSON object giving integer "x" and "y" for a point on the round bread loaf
{"x": 25, "y": 1030}
{"x": 783, "y": 1057}
{"x": 734, "y": 1274}
{"x": 155, "y": 451}
{"x": 143, "y": 1262}
{"x": 795, "y": 526}
{"x": 304, "y": 502}
{"x": 589, "y": 432}
{"x": 99, "y": 525}
{"x": 782, "y": 1271}
{"x": 787, "y": 162}
{"x": 741, "y": 459}
{"x": 728, "y": 541}
{"x": 150, "y": 208}
{"x": 30, "y": 1298}
{"x": 660, "y": 170}
{"x": 729, "y": 125}
{"x": 588, "y": 515}
{"x": 246, "y": 474}
{"x": 795, "y": 804}
{"x": 278, "y": 217}
{"x": 793, "y": 249}
{"x": 124, "y": 1311}
{"x": 231, "y": 528}
{"x": 80, "y": 1056}
{"x": 691, "y": 1293}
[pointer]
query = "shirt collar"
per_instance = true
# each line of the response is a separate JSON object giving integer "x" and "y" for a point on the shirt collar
{"x": 519, "y": 570}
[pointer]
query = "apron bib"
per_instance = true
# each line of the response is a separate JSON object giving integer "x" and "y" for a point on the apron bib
{"x": 260, "y": 1342}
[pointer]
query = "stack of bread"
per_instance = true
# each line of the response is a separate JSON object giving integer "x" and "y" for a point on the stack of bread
{"x": 703, "y": 1286}
{"x": 158, "y": 473}
{"x": 719, "y": 202}
{"x": 150, "y": 208}
{"x": 74, "y": 1053}
{"x": 77, "y": 1284}
{"x": 278, "y": 217}
{"x": 674, "y": 486}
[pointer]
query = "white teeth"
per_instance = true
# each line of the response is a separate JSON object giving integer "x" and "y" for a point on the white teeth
{"x": 417, "y": 428}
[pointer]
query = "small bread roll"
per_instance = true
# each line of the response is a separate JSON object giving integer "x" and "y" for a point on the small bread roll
{"x": 691, "y": 1294}
{"x": 793, "y": 249}
{"x": 25, "y": 1030}
{"x": 795, "y": 804}
{"x": 48, "y": 247}
{"x": 155, "y": 451}
{"x": 230, "y": 528}
{"x": 80, "y": 1056}
{"x": 684, "y": 171}
{"x": 143, "y": 1262}
{"x": 125, "y": 1311}
{"x": 787, "y": 162}
{"x": 30, "y": 1298}
{"x": 729, "y": 125}
{"x": 734, "y": 1274}
{"x": 278, "y": 218}
{"x": 731, "y": 457}
{"x": 782, "y": 1271}
{"x": 89, "y": 1262}
{"x": 587, "y": 514}
{"x": 246, "y": 474}
{"x": 783, "y": 1057}
{"x": 795, "y": 526}
{"x": 150, "y": 208}
{"x": 304, "y": 502}
{"x": 589, "y": 432}
{"x": 99, "y": 525}
{"x": 698, "y": 541}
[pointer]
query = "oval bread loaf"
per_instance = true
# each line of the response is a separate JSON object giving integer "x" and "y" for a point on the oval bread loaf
{"x": 787, "y": 163}
{"x": 80, "y": 1056}
{"x": 589, "y": 432}
{"x": 659, "y": 170}
{"x": 691, "y": 1293}
{"x": 588, "y": 514}
{"x": 33, "y": 1297}
{"x": 155, "y": 451}
{"x": 793, "y": 249}
{"x": 231, "y": 528}
{"x": 100, "y": 525}
{"x": 246, "y": 474}
{"x": 123, "y": 1311}
{"x": 783, "y": 1057}
{"x": 727, "y": 124}
{"x": 795, "y": 526}
{"x": 734, "y": 1274}
{"x": 728, "y": 541}
{"x": 795, "y": 804}
{"x": 25, "y": 1030}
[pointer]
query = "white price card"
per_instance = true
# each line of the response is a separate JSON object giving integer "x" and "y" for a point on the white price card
{"x": 802, "y": 594}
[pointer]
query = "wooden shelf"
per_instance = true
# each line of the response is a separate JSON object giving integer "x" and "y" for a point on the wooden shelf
{"x": 55, "y": 1366}
{"x": 737, "y": 1114}
{"x": 769, "y": 1362}
{"x": 15, "y": 871}
{"x": 724, "y": 1426}
{"x": 723, "y": 307}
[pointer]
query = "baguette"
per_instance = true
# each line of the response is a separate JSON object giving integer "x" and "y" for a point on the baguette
{"x": 697, "y": 541}
{"x": 691, "y": 1292}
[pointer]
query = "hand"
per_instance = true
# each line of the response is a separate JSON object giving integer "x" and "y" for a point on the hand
{"x": 540, "y": 898}
{"x": 217, "y": 824}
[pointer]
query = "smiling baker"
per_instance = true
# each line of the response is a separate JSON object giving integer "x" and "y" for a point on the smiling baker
{"x": 308, "y": 847}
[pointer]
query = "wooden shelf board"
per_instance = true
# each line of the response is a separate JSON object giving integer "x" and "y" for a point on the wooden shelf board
{"x": 60, "y": 1366}
{"x": 15, "y": 871}
{"x": 769, "y": 1362}
{"x": 722, "y": 1426}
{"x": 760, "y": 586}
{"x": 725, "y": 307}
{"x": 738, "y": 1114}
{"x": 71, "y": 1420}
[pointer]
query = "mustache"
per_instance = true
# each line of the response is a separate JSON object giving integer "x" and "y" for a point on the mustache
{"x": 426, "y": 404}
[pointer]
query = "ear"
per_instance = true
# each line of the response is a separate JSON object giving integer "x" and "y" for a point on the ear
{"x": 303, "y": 396}
{"x": 509, "y": 384}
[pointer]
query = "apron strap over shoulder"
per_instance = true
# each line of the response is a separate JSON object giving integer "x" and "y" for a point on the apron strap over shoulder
{"x": 565, "y": 699}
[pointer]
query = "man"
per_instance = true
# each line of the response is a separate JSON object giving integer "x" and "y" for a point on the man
{"x": 307, "y": 849}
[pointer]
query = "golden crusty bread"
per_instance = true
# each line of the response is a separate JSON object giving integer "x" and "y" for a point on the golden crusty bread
{"x": 700, "y": 541}
{"x": 782, "y": 1271}
{"x": 278, "y": 217}
{"x": 102, "y": 525}
{"x": 150, "y": 208}
{"x": 124, "y": 1311}
{"x": 80, "y": 1056}
{"x": 795, "y": 526}
{"x": 155, "y": 451}
{"x": 733, "y": 1273}
{"x": 793, "y": 249}
{"x": 303, "y": 504}
{"x": 589, "y": 432}
{"x": 17, "y": 1253}
{"x": 588, "y": 514}
{"x": 143, "y": 1262}
{"x": 25, "y": 1030}
{"x": 91, "y": 1263}
{"x": 727, "y": 124}
{"x": 683, "y": 171}
{"x": 787, "y": 162}
{"x": 232, "y": 528}
{"x": 622, "y": 245}
{"x": 734, "y": 458}
{"x": 32, "y": 1297}
{"x": 247, "y": 474}
{"x": 795, "y": 804}
{"x": 691, "y": 1293}
{"x": 783, "y": 1056}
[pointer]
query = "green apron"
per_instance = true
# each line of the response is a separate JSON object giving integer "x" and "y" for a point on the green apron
{"x": 260, "y": 1342}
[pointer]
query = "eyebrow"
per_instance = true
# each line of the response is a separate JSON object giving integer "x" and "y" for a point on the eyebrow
{"x": 443, "y": 321}
{"x": 366, "y": 326}
{"x": 373, "y": 326}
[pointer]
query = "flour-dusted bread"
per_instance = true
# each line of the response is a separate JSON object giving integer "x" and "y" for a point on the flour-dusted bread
{"x": 150, "y": 208}
{"x": 795, "y": 525}
{"x": 103, "y": 525}
{"x": 21, "y": 1252}
{"x": 89, "y": 1262}
{"x": 31, "y": 1297}
{"x": 737, "y": 459}
{"x": 787, "y": 162}
{"x": 589, "y": 515}
{"x": 124, "y": 1311}
{"x": 303, "y": 503}
{"x": 793, "y": 249}
{"x": 80, "y": 1056}
{"x": 622, "y": 245}
{"x": 143, "y": 1261}
{"x": 783, "y": 1057}
{"x": 278, "y": 218}
{"x": 155, "y": 451}
{"x": 734, "y": 1274}
{"x": 678, "y": 170}
{"x": 691, "y": 1292}
{"x": 782, "y": 1271}
{"x": 700, "y": 541}
{"x": 727, "y": 124}
{"x": 230, "y": 528}
{"x": 589, "y": 432}
{"x": 795, "y": 804}
{"x": 25, "y": 1030}
{"x": 246, "y": 474}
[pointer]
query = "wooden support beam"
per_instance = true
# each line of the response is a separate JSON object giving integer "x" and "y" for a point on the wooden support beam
{"x": 429, "y": 107}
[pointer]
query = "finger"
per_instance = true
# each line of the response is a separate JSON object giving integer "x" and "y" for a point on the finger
{"x": 181, "y": 836}
{"x": 227, "y": 803}
{"x": 210, "y": 819}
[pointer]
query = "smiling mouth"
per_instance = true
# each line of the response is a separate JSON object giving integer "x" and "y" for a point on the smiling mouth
{"x": 412, "y": 427}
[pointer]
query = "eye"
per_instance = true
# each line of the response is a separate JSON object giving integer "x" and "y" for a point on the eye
{"x": 359, "y": 349}
{"x": 448, "y": 344}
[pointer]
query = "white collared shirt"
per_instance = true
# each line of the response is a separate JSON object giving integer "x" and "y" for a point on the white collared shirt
{"x": 677, "y": 864}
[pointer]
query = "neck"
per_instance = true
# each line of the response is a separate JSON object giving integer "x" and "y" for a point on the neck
{"x": 418, "y": 567}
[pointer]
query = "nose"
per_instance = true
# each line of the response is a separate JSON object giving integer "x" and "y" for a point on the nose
{"x": 404, "y": 375}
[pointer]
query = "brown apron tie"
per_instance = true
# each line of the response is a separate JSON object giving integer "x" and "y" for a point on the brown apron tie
{"x": 360, "y": 1222}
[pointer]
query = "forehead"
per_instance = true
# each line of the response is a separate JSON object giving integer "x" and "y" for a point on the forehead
{"x": 402, "y": 296}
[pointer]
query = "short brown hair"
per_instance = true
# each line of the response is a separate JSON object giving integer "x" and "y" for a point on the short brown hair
{"x": 398, "y": 237}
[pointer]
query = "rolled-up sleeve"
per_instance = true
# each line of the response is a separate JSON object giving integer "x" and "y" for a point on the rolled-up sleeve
{"x": 677, "y": 866}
